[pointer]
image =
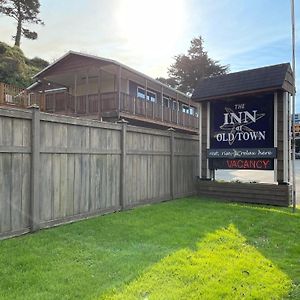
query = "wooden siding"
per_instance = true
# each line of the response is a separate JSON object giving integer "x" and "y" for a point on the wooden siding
{"x": 246, "y": 192}
{"x": 85, "y": 168}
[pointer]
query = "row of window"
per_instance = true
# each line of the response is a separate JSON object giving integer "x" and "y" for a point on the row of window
{"x": 168, "y": 102}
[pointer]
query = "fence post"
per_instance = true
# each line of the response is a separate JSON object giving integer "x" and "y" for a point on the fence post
{"x": 35, "y": 169}
{"x": 123, "y": 163}
{"x": 172, "y": 162}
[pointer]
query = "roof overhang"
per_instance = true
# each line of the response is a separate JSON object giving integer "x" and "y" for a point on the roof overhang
{"x": 249, "y": 82}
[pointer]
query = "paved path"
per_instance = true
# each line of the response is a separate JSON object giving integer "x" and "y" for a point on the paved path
{"x": 259, "y": 176}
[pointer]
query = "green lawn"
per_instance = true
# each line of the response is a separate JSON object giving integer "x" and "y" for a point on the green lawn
{"x": 185, "y": 249}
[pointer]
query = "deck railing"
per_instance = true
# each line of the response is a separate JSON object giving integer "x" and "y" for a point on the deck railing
{"x": 106, "y": 103}
{"x": 12, "y": 96}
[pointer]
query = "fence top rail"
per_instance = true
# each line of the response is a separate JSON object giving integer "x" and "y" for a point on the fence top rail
{"x": 161, "y": 132}
{"x": 79, "y": 121}
{"x": 15, "y": 113}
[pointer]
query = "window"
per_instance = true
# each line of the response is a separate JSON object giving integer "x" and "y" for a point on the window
{"x": 185, "y": 108}
{"x": 151, "y": 96}
{"x": 166, "y": 101}
{"x": 140, "y": 93}
{"x": 174, "y": 105}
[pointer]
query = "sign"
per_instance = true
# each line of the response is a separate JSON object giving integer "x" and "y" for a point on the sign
{"x": 242, "y": 133}
{"x": 242, "y": 164}
{"x": 242, "y": 153}
{"x": 242, "y": 123}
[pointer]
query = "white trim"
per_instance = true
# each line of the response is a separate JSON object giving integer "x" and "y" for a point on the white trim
{"x": 200, "y": 139}
{"x": 208, "y": 175}
{"x": 148, "y": 91}
{"x": 285, "y": 138}
{"x": 290, "y": 138}
{"x": 275, "y": 134}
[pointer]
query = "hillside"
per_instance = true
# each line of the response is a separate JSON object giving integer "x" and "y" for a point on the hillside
{"x": 16, "y": 68}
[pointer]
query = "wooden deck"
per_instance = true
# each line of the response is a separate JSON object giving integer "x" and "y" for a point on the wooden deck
{"x": 115, "y": 105}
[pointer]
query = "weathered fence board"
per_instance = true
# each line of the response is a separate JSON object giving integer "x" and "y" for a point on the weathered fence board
{"x": 84, "y": 169}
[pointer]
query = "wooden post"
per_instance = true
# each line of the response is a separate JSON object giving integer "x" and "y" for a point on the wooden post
{"x": 87, "y": 93}
{"x": 162, "y": 103}
{"x": 75, "y": 94}
{"x": 189, "y": 118}
{"x": 280, "y": 140}
{"x": 123, "y": 165}
{"x": 119, "y": 88}
{"x": 42, "y": 103}
{"x": 177, "y": 108}
{"x": 146, "y": 87}
{"x": 172, "y": 163}
{"x": 34, "y": 217}
{"x": 2, "y": 100}
{"x": 99, "y": 93}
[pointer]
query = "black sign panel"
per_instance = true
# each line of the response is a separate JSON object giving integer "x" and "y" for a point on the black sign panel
{"x": 242, "y": 153}
{"x": 244, "y": 122}
{"x": 242, "y": 164}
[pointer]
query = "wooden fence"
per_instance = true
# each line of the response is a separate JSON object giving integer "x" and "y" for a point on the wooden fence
{"x": 56, "y": 169}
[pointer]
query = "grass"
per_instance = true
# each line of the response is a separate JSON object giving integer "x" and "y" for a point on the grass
{"x": 175, "y": 250}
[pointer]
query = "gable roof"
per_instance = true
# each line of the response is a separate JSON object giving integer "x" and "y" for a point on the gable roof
{"x": 270, "y": 78}
{"x": 100, "y": 60}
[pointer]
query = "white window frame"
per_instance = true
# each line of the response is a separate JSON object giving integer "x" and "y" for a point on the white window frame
{"x": 151, "y": 96}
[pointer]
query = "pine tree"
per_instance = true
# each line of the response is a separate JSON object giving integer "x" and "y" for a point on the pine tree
{"x": 24, "y": 12}
{"x": 189, "y": 68}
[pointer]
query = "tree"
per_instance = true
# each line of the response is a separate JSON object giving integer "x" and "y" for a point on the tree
{"x": 167, "y": 81}
{"x": 190, "y": 68}
{"x": 23, "y": 11}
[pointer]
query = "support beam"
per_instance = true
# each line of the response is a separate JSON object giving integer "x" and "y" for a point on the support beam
{"x": 119, "y": 87}
{"x": 162, "y": 103}
{"x": 87, "y": 92}
{"x": 75, "y": 93}
{"x": 146, "y": 91}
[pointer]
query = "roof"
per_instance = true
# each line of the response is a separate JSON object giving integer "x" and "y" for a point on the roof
{"x": 109, "y": 61}
{"x": 268, "y": 78}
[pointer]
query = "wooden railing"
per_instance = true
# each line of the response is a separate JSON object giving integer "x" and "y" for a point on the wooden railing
{"x": 101, "y": 104}
{"x": 13, "y": 96}
{"x": 155, "y": 111}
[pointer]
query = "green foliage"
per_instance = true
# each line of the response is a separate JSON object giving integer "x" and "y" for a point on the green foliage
{"x": 223, "y": 267}
{"x": 15, "y": 68}
{"x": 168, "y": 81}
{"x": 91, "y": 258}
{"x": 189, "y": 68}
{"x": 23, "y": 11}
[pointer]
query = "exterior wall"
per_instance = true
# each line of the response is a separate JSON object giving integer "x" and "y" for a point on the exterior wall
{"x": 106, "y": 86}
{"x": 58, "y": 169}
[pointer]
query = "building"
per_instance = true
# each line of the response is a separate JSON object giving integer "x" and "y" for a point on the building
{"x": 89, "y": 86}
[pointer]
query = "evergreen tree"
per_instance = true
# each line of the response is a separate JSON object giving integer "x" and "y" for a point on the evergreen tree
{"x": 189, "y": 68}
{"x": 24, "y": 12}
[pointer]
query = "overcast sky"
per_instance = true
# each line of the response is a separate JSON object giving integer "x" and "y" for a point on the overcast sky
{"x": 147, "y": 34}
